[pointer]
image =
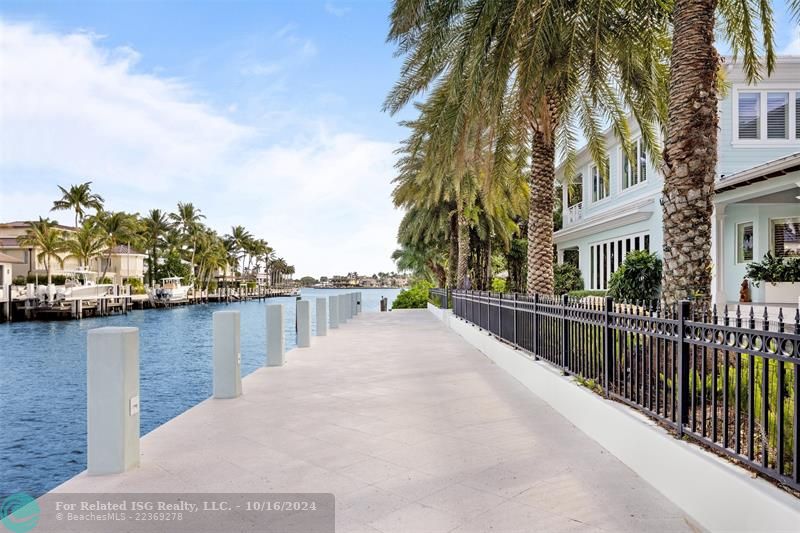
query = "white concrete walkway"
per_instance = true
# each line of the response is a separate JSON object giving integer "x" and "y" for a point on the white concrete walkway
{"x": 412, "y": 429}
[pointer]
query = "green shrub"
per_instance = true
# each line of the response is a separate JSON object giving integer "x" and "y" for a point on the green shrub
{"x": 499, "y": 285}
{"x": 566, "y": 278}
{"x": 19, "y": 280}
{"x": 415, "y": 297}
{"x": 639, "y": 278}
{"x": 251, "y": 285}
{"x": 137, "y": 287}
{"x": 583, "y": 294}
{"x": 212, "y": 286}
{"x": 105, "y": 280}
{"x": 56, "y": 279}
{"x": 774, "y": 270}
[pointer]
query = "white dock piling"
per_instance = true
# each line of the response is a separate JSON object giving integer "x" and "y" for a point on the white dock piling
{"x": 334, "y": 311}
{"x": 227, "y": 354}
{"x": 112, "y": 400}
{"x": 343, "y": 305}
{"x": 352, "y": 304}
{"x": 276, "y": 345}
{"x": 358, "y": 302}
{"x": 322, "y": 317}
{"x": 303, "y": 323}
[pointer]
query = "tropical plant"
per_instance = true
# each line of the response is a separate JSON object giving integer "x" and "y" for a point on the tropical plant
{"x": 637, "y": 279}
{"x": 415, "y": 297}
{"x": 525, "y": 77}
{"x": 566, "y": 278}
{"x": 116, "y": 228}
{"x": 78, "y": 198}
{"x": 774, "y": 270}
{"x": 47, "y": 241}
{"x": 154, "y": 227}
{"x": 188, "y": 219}
{"x": 85, "y": 244}
{"x": 690, "y": 147}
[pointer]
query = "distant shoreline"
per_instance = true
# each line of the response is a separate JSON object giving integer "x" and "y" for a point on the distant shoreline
{"x": 352, "y": 287}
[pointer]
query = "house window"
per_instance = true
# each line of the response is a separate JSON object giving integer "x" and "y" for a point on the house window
{"x": 786, "y": 237}
{"x": 600, "y": 183}
{"x": 636, "y": 173}
{"x": 749, "y": 115}
{"x": 777, "y": 115}
{"x": 575, "y": 191}
{"x": 744, "y": 242}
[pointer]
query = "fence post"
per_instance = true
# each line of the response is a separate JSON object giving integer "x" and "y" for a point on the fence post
{"x": 514, "y": 316}
{"x": 303, "y": 320}
{"x": 227, "y": 354}
{"x": 608, "y": 344}
{"x": 500, "y": 314}
{"x": 276, "y": 347}
{"x": 322, "y": 317}
{"x": 683, "y": 367}
{"x": 564, "y": 332}
{"x": 536, "y": 326}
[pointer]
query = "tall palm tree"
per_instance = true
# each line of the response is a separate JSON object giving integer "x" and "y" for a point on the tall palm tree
{"x": 690, "y": 147}
{"x": 117, "y": 227}
{"x": 527, "y": 75}
{"x": 86, "y": 244}
{"x": 47, "y": 240}
{"x": 78, "y": 198}
{"x": 240, "y": 240}
{"x": 188, "y": 218}
{"x": 155, "y": 225}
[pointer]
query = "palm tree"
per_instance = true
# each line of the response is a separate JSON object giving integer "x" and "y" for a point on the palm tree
{"x": 690, "y": 147}
{"x": 48, "y": 240}
{"x": 155, "y": 225}
{"x": 86, "y": 244}
{"x": 522, "y": 76}
{"x": 78, "y": 198}
{"x": 117, "y": 228}
{"x": 188, "y": 219}
{"x": 240, "y": 240}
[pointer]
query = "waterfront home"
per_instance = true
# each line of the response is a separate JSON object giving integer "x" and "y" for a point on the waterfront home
{"x": 7, "y": 263}
{"x": 123, "y": 263}
{"x": 757, "y": 204}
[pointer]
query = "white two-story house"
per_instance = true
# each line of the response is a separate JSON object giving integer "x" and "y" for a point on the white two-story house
{"x": 757, "y": 203}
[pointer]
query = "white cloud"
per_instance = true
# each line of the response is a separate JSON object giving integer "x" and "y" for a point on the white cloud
{"x": 73, "y": 110}
{"x": 338, "y": 11}
{"x": 793, "y": 48}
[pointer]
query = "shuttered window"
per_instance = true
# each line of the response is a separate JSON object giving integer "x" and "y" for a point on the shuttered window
{"x": 637, "y": 173}
{"x": 749, "y": 115}
{"x": 797, "y": 115}
{"x": 786, "y": 237}
{"x": 777, "y": 115}
{"x": 600, "y": 183}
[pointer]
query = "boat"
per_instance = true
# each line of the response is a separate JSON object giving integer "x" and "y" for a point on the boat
{"x": 172, "y": 290}
{"x": 81, "y": 284}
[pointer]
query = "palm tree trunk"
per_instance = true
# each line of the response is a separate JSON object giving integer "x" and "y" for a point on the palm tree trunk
{"x": 47, "y": 267}
{"x": 690, "y": 152}
{"x": 153, "y": 268}
{"x": 540, "y": 214}
{"x": 452, "y": 259}
{"x": 463, "y": 247}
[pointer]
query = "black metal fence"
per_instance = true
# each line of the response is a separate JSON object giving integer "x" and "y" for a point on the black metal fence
{"x": 726, "y": 380}
{"x": 439, "y": 298}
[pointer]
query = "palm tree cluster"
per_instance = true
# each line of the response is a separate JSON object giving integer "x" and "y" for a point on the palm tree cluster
{"x": 176, "y": 244}
{"x": 506, "y": 88}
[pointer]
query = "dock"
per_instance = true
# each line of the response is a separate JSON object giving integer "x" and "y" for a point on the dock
{"x": 411, "y": 428}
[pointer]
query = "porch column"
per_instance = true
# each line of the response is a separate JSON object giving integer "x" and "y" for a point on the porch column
{"x": 718, "y": 255}
{"x": 560, "y": 254}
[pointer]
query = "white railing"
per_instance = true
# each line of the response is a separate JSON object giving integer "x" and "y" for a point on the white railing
{"x": 573, "y": 214}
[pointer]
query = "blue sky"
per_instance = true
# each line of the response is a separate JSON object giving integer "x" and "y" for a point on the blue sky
{"x": 265, "y": 114}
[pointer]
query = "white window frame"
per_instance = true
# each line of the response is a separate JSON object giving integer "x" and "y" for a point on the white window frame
{"x": 772, "y": 221}
{"x": 592, "y": 168}
{"x": 736, "y": 242}
{"x": 612, "y": 266}
{"x": 622, "y": 160}
{"x": 763, "y": 89}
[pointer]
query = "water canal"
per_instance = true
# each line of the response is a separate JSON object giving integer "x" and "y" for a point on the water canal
{"x": 43, "y": 379}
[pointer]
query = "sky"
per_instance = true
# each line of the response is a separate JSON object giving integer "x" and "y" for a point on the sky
{"x": 264, "y": 114}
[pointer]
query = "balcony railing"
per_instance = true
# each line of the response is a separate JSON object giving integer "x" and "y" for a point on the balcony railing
{"x": 573, "y": 214}
{"x": 725, "y": 380}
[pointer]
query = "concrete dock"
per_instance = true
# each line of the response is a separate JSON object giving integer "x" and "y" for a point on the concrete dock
{"x": 411, "y": 428}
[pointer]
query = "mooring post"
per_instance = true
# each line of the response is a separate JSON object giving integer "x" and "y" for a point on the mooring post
{"x": 276, "y": 345}
{"x": 358, "y": 302}
{"x": 112, "y": 400}
{"x": 227, "y": 354}
{"x": 303, "y": 323}
{"x": 343, "y": 314}
{"x": 333, "y": 306}
{"x": 322, "y": 317}
{"x": 352, "y": 304}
